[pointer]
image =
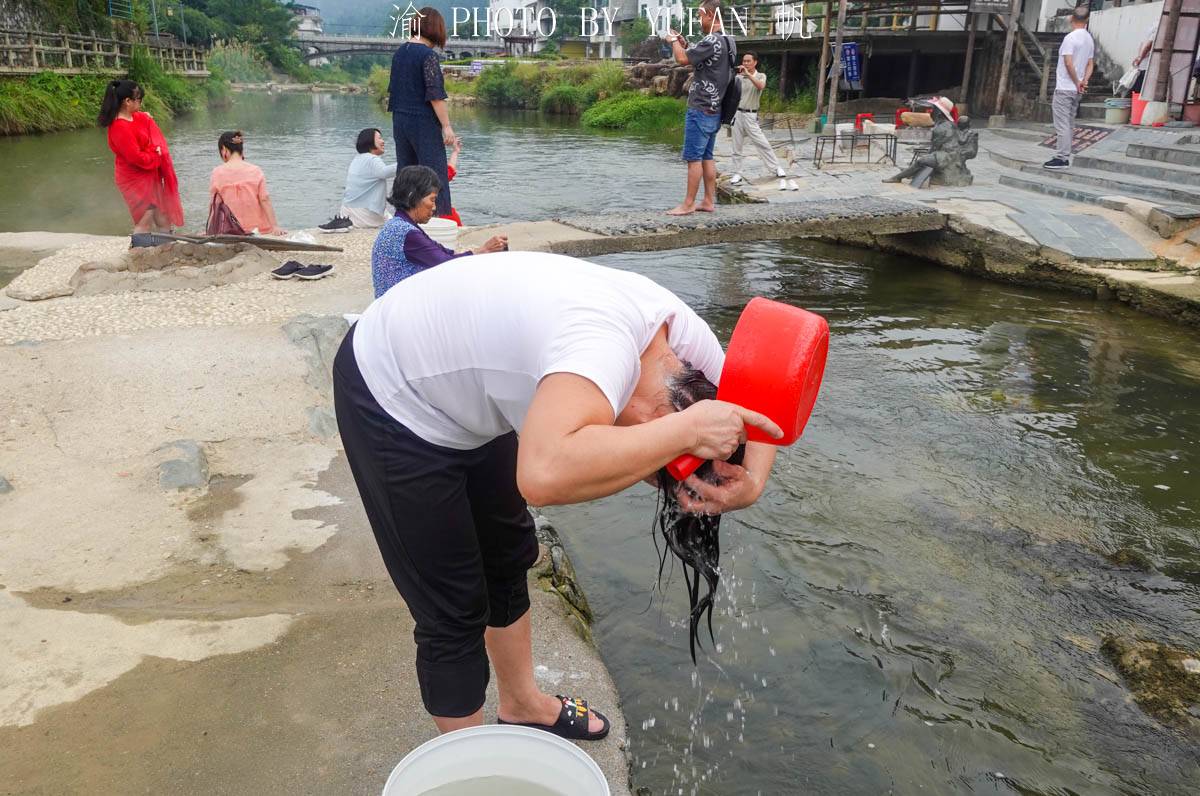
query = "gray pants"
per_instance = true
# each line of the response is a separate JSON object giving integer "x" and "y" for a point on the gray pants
{"x": 1065, "y": 105}
{"x": 745, "y": 128}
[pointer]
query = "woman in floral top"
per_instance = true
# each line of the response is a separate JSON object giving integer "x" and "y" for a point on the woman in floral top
{"x": 402, "y": 248}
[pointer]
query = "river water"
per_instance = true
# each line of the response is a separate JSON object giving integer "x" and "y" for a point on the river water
{"x": 916, "y": 604}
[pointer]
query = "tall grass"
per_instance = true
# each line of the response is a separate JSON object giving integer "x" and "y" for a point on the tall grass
{"x": 239, "y": 62}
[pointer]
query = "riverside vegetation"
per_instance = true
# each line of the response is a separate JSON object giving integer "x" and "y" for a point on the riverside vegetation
{"x": 254, "y": 44}
{"x": 49, "y": 101}
{"x": 597, "y": 92}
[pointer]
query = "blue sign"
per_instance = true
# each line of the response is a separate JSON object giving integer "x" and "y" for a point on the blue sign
{"x": 851, "y": 66}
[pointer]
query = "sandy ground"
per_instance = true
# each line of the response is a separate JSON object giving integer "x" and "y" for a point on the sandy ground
{"x": 238, "y": 636}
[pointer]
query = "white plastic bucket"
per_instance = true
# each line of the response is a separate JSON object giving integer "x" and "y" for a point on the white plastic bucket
{"x": 443, "y": 230}
{"x": 520, "y": 754}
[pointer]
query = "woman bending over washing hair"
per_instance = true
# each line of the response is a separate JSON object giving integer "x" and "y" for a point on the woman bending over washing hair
{"x": 693, "y": 538}
{"x": 403, "y": 248}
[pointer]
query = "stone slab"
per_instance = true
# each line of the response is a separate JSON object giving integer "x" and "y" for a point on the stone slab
{"x": 1082, "y": 236}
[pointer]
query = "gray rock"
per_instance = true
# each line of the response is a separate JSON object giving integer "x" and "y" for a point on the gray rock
{"x": 322, "y": 422}
{"x": 186, "y": 469}
{"x": 5, "y": 486}
{"x": 319, "y": 338}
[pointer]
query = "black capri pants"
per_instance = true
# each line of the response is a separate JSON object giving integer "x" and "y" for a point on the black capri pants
{"x": 455, "y": 534}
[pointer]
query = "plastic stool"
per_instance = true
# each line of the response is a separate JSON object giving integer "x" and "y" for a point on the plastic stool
{"x": 860, "y": 118}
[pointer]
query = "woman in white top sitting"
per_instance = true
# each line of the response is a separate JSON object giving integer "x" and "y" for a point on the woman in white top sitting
{"x": 364, "y": 203}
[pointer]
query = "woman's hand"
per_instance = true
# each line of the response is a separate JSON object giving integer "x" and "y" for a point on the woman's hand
{"x": 448, "y": 136}
{"x": 738, "y": 488}
{"x": 158, "y": 150}
{"x": 496, "y": 243}
{"x": 719, "y": 427}
{"x": 457, "y": 145}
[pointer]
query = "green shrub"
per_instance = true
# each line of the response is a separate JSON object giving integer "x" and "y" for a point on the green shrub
{"x": 637, "y": 113}
{"x": 563, "y": 98}
{"x": 607, "y": 80}
{"x": 216, "y": 89}
{"x": 801, "y": 103}
{"x": 377, "y": 84}
{"x": 504, "y": 86}
{"x": 174, "y": 91}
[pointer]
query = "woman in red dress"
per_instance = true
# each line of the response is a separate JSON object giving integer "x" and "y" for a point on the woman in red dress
{"x": 144, "y": 173}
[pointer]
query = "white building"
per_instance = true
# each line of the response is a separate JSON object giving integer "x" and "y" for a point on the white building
{"x": 309, "y": 21}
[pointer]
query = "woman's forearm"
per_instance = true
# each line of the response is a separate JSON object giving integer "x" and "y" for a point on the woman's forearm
{"x": 599, "y": 460}
{"x": 441, "y": 112}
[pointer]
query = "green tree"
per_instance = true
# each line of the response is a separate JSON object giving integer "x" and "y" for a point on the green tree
{"x": 634, "y": 33}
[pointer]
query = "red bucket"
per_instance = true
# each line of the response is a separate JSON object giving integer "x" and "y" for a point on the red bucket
{"x": 774, "y": 366}
{"x": 1137, "y": 108}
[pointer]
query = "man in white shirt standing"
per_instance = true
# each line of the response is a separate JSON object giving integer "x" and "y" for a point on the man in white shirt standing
{"x": 746, "y": 127}
{"x": 1075, "y": 63}
{"x": 433, "y": 385}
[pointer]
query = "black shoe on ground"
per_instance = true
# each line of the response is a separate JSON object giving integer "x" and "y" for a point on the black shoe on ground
{"x": 146, "y": 240}
{"x": 1057, "y": 164}
{"x": 314, "y": 271}
{"x": 336, "y": 224}
{"x": 288, "y": 270}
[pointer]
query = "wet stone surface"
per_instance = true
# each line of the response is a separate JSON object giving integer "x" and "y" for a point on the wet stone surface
{"x": 860, "y": 209}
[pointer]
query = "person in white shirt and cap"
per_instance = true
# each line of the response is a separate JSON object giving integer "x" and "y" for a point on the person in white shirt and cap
{"x": 747, "y": 129}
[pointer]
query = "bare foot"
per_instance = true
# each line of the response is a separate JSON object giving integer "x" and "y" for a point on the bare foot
{"x": 706, "y": 207}
{"x": 682, "y": 210}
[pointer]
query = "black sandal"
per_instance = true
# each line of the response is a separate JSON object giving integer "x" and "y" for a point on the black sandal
{"x": 572, "y": 721}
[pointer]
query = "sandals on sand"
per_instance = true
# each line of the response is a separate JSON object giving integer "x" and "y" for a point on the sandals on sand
{"x": 572, "y": 721}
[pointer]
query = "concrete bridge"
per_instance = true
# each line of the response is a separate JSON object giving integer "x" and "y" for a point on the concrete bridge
{"x": 653, "y": 230}
{"x": 328, "y": 45}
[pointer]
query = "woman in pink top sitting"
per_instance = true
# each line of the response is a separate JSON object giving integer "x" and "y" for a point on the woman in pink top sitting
{"x": 238, "y": 194}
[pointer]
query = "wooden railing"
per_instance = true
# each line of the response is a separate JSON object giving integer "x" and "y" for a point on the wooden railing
{"x": 24, "y": 52}
{"x": 872, "y": 15}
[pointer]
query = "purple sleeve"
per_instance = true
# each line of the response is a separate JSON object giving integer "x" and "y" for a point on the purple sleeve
{"x": 424, "y": 251}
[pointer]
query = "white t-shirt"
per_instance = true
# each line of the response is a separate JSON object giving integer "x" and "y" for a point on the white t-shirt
{"x": 1151, "y": 35}
{"x": 456, "y": 352}
{"x": 1079, "y": 45}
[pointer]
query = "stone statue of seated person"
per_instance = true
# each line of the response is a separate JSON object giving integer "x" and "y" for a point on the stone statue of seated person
{"x": 951, "y": 146}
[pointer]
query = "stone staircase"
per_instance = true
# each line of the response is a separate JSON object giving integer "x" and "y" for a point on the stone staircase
{"x": 1158, "y": 184}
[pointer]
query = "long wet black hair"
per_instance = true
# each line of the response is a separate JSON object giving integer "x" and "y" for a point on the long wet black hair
{"x": 694, "y": 539}
{"x": 115, "y": 95}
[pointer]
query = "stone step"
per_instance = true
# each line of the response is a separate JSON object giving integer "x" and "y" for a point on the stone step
{"x": 1179, "y": 156}
{"x": 1167, "y": 220}
{"x": 1123, "y": 164}
{"x": 1136, "y": 187}
{"x": 1091, "y": 110}
{"x": 1023, "y": 134}
{"x": 1072, "y": 193}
